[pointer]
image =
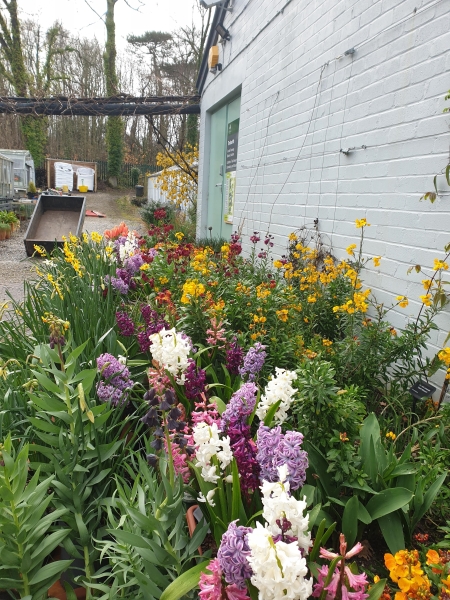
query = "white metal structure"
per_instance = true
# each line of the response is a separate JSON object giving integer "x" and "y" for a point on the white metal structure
{"x": 6, "y": 177}
{"x": 23, "y": 168}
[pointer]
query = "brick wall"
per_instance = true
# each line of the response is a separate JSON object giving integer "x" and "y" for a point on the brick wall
{"x": 302, "y": 100}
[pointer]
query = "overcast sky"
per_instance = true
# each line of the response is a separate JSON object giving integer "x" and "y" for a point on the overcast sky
{"x": 157, "y": 15}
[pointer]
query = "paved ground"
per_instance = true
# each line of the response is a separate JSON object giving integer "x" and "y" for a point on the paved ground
{"x": 15, "y": 267}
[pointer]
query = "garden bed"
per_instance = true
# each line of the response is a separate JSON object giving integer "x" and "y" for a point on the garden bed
{"x": 146, "y": 374}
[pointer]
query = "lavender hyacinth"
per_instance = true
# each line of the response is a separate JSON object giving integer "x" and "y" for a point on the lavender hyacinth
{"x": 240, "y": 406}
{"x": 232, "y": 555}
{"x": 253, "y": 361}
{"x": 134, "y": 263}
{"x": 115, "y": 381}
{"x": 276, "y": 449}
{"x": 118, "y": 284}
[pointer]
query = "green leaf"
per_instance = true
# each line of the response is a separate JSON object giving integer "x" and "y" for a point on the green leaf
{"x": 388, "y": 501}
{"x": 350, "y": 520}
{"x": 363, "y": 515}
{"x": 236, "y": 492}
{"x": 52, "y": 570}
{"x": 376, "y": 590}
{"x": 391, "y": 528}
{"x": 47, "y": 383}
{"x": 271, "y": 413}
{"x": 221, "y": 406}
{"x": 185, "y": 582}
{"x": 405, "y": 469}
{"x": 129, "y": 538}
{"x": 314, "y": 514}
{"x": 48, "y": 545}
{"x": 428, "y": 499}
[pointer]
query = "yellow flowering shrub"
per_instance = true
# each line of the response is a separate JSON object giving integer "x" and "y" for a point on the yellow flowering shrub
{"x": 178, "y": 178}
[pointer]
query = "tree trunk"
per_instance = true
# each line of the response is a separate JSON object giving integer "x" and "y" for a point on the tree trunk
{"x": 114, "y": 126}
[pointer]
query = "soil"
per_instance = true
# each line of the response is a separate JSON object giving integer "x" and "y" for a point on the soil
{"x": 16, "y": 268}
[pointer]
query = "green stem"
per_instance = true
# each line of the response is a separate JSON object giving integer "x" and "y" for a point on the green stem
{"x": 87, "y": 568}
{"x": 169, "y": 452}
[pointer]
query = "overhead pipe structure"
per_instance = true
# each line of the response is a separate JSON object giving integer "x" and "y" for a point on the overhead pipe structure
{"x": 94, "y": 107}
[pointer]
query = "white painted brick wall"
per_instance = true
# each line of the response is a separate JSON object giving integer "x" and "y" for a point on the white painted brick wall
{"x": 388, "y": 96}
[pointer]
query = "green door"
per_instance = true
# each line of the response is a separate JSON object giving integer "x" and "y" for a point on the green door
{"x": 222, "y": 168}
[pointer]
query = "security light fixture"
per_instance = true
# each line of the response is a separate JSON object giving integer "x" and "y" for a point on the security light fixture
{"x": 224, "y": 33}
{"x": 211, "y": 3}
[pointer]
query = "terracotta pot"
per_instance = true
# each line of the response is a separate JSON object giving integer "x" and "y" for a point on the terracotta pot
{"x": 2, "y": 235}
{"x": 7, "y": 234}
{"x": 57, "y": 591}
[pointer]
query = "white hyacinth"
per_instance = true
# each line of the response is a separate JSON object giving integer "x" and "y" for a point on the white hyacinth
{"x": 279, "y": 504}
{"x": 129, "y": 247}
{"x": 278, "y": 568}
{"x": 171, "y": 351}
{"x": 208, "y": 444}
{"x": 278, "y": 388}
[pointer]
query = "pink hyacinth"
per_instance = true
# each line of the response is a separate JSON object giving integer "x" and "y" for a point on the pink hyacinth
{"x": 212, "y": 587}
{"x": 180, "y": 459}
{"x": 216, "y": 334}
{"x": 205, "y": 412}
{"x": 352, "y": 586}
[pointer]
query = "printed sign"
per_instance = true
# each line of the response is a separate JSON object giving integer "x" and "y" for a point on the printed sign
{"x": 231, "y": 164}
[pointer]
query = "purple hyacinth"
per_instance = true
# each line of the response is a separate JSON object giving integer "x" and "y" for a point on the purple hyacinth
{"x": 234, "y": 357}
{"x": 232, "y": 555}
{"x": 134, "y": 263}
{"x": 124, "y": 324}
{"x": 118, "y": 284}
{"x": 154, "y": 323}
{"x": 115, "y": 380}
{"x": 290, "y": 453}
{"x": 195, "y": 380}
{"x": 241, "y": 404}
{"x": 253, "y": 361}
{"x": 126, "y": 277}
{"x": 276, "y": 449}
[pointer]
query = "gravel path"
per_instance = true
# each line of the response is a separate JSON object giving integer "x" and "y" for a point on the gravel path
{"x": 15, "y": 267}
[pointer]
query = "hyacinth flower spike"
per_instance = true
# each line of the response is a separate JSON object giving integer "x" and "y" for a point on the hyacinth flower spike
{"x": 337, "y": 580}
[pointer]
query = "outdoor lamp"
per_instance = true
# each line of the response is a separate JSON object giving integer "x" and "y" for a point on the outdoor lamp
{"x": 224, "y": 33}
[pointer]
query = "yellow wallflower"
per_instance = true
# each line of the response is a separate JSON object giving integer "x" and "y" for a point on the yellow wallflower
{"x": 144, "y": 267}
{"x": 311, "y": 299}
{"x": 402, "y": 301}
{"x": 426, "y": 299}
{"x": 361, "y": 223}
{"x": 376, "y": 261}
{"x": 179, "y": 235}
{"x": 427, "y": 283}
{"x": 277, "y": 264}
{"x": 292, "y": 237}
{"x": 163, "y": 280}
{"x": 444, "y": 355}
{"x": 351, "y": 249}
{"x": 283, "y": 314}
{"x": 440, "y": 264}
{"x": 391, "y": 435}
{"x": 192, "y": 289}
{"x": 326, "y": 342}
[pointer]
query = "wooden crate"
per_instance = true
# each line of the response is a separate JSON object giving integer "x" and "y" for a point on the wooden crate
{"x": 53, "y": 218}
